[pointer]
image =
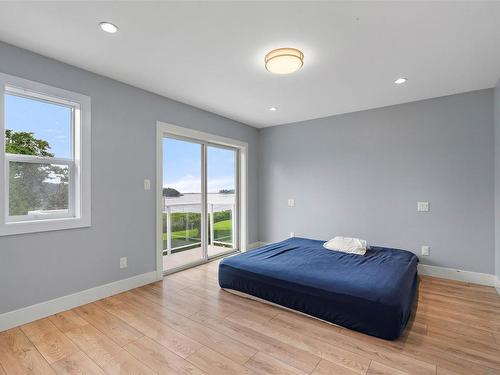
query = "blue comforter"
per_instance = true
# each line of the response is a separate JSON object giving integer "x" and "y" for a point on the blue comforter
{"x": 372, "y": 294}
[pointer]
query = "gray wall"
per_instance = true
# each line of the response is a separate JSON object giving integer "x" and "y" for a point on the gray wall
{"x": 497, "y": 180}
{"x": 43, "y": 266}
{"x": 361, "y": 174}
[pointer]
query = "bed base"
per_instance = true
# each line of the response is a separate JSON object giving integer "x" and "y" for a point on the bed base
{"x": 249, "y": 296}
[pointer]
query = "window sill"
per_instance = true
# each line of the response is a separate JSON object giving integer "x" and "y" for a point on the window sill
{"x": 46, "y": 225}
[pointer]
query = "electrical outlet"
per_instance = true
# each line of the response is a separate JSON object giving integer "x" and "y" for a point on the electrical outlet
{"x": 292, "y": 234}
{"x": 423, "y": 206}
{"x": 291, "y": 203}
{"x": 147, "y": 184}
{"x": 426, "y": 251}
{"x": 123, "y": 262}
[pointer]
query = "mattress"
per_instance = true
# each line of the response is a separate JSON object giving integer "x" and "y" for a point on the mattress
{"x": 373, "y": 293}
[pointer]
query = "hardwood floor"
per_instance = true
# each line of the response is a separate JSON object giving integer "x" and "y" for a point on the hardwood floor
{"x": 187, "y": 325}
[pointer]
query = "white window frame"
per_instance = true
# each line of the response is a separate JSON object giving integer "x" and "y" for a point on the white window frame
{"x": 79, "y": 210}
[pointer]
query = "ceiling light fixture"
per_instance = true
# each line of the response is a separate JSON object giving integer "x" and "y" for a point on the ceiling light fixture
{"x": 401, "y": 80}
{"x": 272, "y": 109}
{"x": 108, "y": 27}
{"x": 284, "y": 60}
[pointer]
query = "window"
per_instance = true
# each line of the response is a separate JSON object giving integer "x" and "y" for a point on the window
{"x": 44, "y": 156}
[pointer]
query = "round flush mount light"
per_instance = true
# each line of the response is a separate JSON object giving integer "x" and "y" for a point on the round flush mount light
{"x": 108, "y": 27}
{"x": 284, "y": 60}
{"x": 400, "y": 80}
{"x": 273, "y": 109}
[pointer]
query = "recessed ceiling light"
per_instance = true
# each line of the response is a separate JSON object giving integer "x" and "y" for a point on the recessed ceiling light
{"x": 400, "y": 80}
{"x": 284, "y": 60}
{"x": 108, "y": 27}
{"x": 272, "y": 109}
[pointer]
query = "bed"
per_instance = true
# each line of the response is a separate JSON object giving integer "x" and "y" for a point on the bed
{"x": 373, "y": 293}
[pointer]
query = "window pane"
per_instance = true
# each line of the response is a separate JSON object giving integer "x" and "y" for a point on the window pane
{"x": 35, "y": 127}
{"x": 221, "y": 170}
{"x": 182, "y": 232}
{"x": 221, "y": 199}
{"x": 36, "y": 188}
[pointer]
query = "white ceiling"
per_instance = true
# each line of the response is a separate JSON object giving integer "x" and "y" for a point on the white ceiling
{"x": 210, "y": 54}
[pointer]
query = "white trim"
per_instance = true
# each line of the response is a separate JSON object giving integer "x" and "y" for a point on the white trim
{"x": 203, "y": 222}
{"x": 243, "y": 197}
{"x": 458, "y": 275}
{"x": 81, "y": 148}
{"x": 37, "y": 159}
{"x": 41, "y": 310}
{"x": 196, "y": 134}
{"x": 159, "y": 201}
{"x": 163, "y": 128}
{"x": 497, "y": 285}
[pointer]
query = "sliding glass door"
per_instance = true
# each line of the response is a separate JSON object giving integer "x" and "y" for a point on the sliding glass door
{"x": 221, "y": 200}
{"x": 199, "y": 202}
{"x": 182, "y": 201}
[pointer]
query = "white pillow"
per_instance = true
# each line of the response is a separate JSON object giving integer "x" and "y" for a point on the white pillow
{"x": 346, "y": 245}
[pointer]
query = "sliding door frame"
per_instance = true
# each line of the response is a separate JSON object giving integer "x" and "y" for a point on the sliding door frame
{"x": 236, "y": 218}
{"x": 241, "y": 170}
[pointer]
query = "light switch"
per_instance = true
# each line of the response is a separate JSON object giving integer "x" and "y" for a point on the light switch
{"x": 291, "y": 203}
{"x": 123, "y": 262}
{"x": 147, "y": 184}
{"x": 422, "y": 206}
{"x": 426, "y": 250}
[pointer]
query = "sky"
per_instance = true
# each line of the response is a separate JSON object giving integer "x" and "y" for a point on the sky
{"x": 182, "y": 167}
{"x": 50, "y": 122}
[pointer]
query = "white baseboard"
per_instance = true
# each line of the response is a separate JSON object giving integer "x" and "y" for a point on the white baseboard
{"x": 28, "y": 314}
{"x": 497, "y": 285}
{"x": 458, "y": 275}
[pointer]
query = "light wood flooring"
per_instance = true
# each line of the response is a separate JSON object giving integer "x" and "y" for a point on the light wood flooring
{"x": 187, "y": 325}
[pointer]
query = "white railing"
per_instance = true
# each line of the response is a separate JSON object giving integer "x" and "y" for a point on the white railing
{"x": 170, "y": 204}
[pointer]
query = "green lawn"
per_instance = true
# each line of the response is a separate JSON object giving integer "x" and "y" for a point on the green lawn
{"x": 222, "y": 225}
{"x": 219, "y": 229}
{"x": 222, "y": 232}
